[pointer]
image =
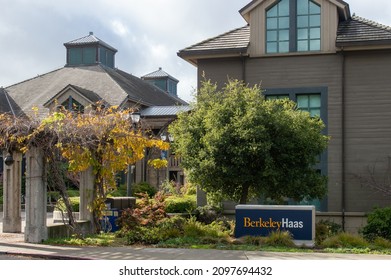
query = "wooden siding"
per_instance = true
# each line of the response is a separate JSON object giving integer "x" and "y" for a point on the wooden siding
{"x": 368, "y": 124}
{"x": 368, "y": 113}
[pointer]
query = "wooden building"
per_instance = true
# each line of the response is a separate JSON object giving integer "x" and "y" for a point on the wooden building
{"x": 333, "y": 64}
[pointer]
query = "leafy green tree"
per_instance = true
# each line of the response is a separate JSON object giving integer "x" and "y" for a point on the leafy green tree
{"x": 237, "y": 143}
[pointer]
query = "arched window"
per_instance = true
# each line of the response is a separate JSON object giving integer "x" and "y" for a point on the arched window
{"x": 293, "y": 26}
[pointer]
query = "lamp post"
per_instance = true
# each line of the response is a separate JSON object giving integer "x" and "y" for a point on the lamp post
{"x": 135, "y": 118}
{"x": 165, "y": 154}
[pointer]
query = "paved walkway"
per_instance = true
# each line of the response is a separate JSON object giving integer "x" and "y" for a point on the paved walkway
{"x": 14, "y": 244}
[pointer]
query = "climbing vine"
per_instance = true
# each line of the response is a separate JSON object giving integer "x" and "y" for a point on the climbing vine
{"x": 104, "y": 139}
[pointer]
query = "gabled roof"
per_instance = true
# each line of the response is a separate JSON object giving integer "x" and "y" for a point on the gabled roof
{"x": 234, "y": 42}
{"x": 112, "y": 85}
{"x": 343, "y": 9}
{"x": 89, "y": 95}
{"x": 90, "y": 39}
{"x": 158, "y": 74}
{"x": 358, "y": 31}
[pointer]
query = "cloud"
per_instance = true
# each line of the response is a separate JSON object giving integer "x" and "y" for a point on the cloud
{"x": 119, "y": 28}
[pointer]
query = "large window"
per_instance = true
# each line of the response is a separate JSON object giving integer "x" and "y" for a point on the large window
{"x": 314, "y": 101}
{"x": 277, "y": 28}
{"x": 293, "y": 26}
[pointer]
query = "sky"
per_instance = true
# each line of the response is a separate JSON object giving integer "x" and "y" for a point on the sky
{"x": 147, "y": 33}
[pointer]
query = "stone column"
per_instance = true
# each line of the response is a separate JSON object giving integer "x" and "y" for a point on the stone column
{"x": 87, "y": 180}
{"x": 12, "y": 185}
{"x": 36, "y": 198}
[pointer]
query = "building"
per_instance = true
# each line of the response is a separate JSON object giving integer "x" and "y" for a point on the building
{"x": 90, "y": 76}
{"x": 333, "y": 64}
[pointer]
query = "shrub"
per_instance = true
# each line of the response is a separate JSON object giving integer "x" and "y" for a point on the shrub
{"x": 379, "y": 224}
{"x": 278, "y": 239}
{"x": 345, "y": 240}
{"x": 73, "y": 193}
{"x": 167, "y": 228}
{"x": 74, "y": 201}
{"x": 142, "y": 188}
{"x": 147, "y": 213}
{"x": 121, "y": 190}
{"x": 325, "y": 229}
{"x": 185, "y": 204}
{"x": 207, "y": 214}
{"x": 194, "y": 228}
{"x": 382, "y": 243}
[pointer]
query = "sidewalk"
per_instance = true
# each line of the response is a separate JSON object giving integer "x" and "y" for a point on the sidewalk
{"x": 11, "y": 243}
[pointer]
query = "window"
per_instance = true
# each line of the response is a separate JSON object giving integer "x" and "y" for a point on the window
{"x": 314, "y": 101}
{"x": 293, "y": 26}
{"x": 308, "y": 26}
{"x": 277, "y": 28}
{"x": 310, "y": 103}
{"x": 72, "y": 105}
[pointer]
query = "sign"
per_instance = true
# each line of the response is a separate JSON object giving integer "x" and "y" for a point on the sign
{"x": 261, "y": 220}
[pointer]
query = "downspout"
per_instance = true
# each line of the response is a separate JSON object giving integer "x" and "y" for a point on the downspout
{"x": 343, "y": 153}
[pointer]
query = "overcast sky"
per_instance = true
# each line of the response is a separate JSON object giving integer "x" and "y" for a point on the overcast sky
{"x": 147, "y": 33}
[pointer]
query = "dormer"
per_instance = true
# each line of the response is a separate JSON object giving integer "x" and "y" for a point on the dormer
{"x": 89, "y": 50}
{"x": 279, "y": 27}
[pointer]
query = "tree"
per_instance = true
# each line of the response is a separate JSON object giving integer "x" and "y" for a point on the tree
{"x": 103, "y": 139}
{"x": 237, "y": 143}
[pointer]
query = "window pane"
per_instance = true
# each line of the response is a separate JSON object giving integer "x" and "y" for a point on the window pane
{"x": 315, "y": 101}
{"x": 302, "y": 21}
{"x": 302, "y": 7}
{"x": 314, "y": 45}
{"x": 283, "y": 35}
{"x": 283, "y": 47}
{"x": 302, "y": 46}
{"x": 315, "y": 33}
{"x": 302, "y": 34}
{"x": 315, "y": 112}
{"x": 271, "y": 47}
{"x": 315, "y": 20}
{"x": 314, "y": 8}
{"x": 302, "y": 101}
{"x": 272, "y": 23}
{"x": 283, "y": 22}
{"x": 272, "y": 12}
{"x": 283, "y": 9}
{"x": 271, "y": 36}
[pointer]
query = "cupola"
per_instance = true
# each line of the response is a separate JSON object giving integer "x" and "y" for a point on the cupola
{"x": 89, "y": 50}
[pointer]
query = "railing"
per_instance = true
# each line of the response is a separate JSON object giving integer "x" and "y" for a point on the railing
{"x": 174, "y": 161}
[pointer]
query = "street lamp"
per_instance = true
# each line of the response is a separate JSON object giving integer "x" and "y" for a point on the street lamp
{"x": 135, "y": 118}
{"x": 8, "y": 160}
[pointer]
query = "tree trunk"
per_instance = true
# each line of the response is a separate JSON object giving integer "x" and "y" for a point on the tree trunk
{"x": 244, "y": 195}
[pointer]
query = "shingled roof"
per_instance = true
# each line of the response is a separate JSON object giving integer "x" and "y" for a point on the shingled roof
{"x": 112, "y": 85}
{"x": 157, "y": 75}
{"x": 90, "y": 39}
{"x": 232, "y": 42}
{"x": 360, "y": 31}
{"x": 8, "y": 105}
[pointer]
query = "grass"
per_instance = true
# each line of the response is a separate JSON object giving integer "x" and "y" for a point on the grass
{"x": 219, "y": 243}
